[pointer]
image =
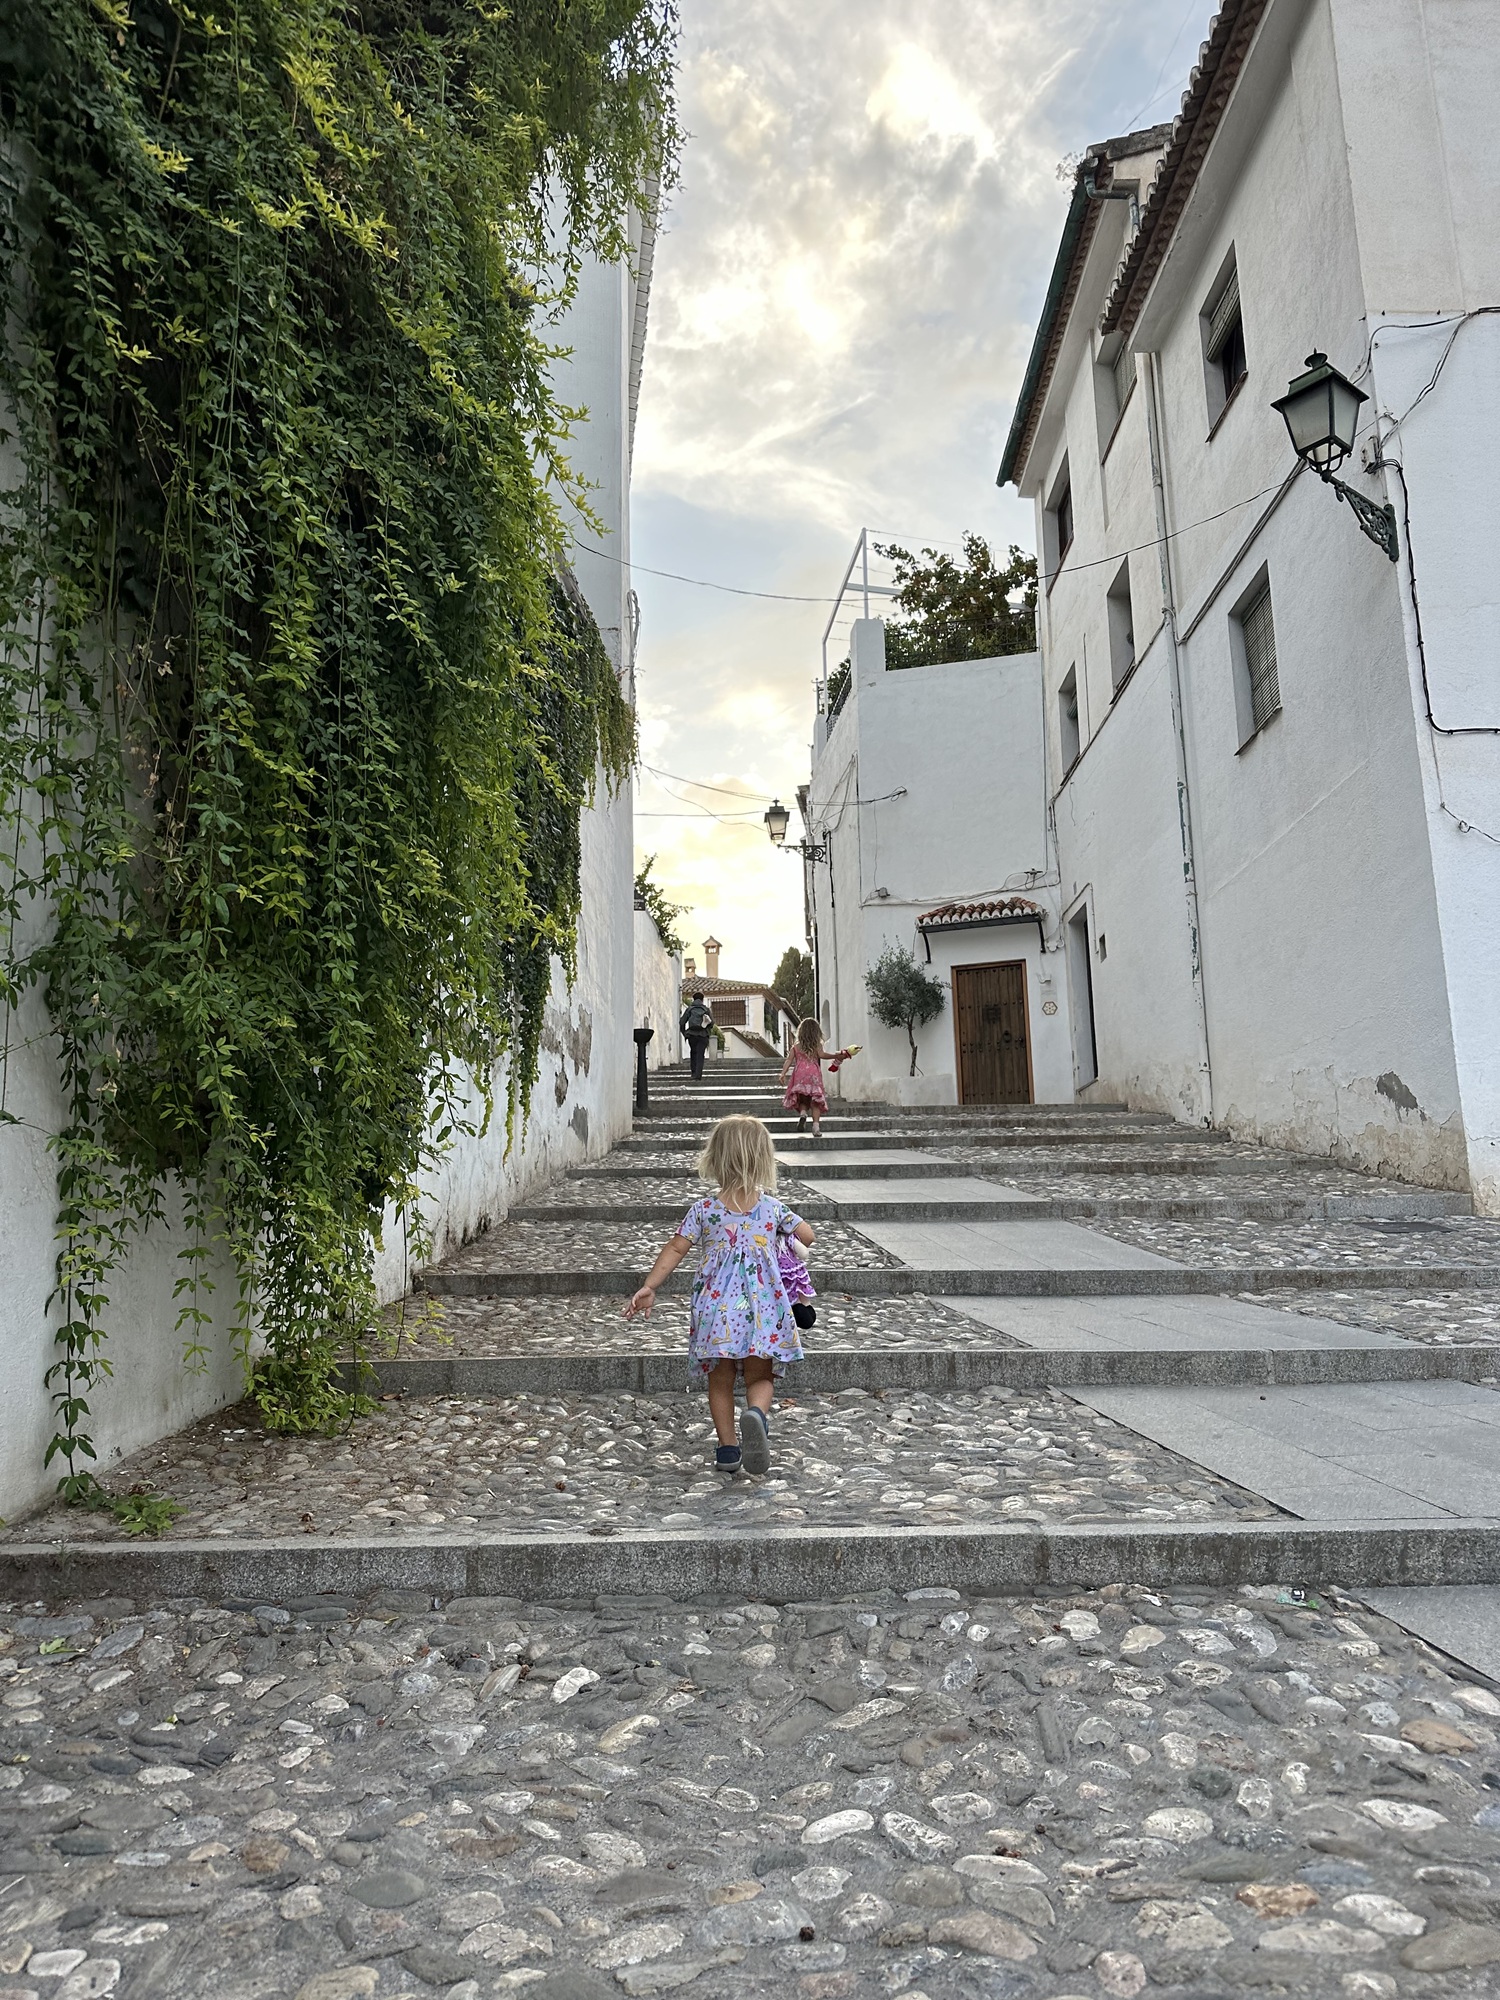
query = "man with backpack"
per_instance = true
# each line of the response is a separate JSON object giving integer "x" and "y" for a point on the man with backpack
{"x": 697, "y": 1024}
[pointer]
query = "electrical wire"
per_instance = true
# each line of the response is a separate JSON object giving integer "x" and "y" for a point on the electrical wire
{"x": 702, "y": 582}
{"x": 758, "y": 798}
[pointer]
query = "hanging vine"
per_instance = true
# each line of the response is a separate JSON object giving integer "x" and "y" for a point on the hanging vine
{"x": 298, "y": 711}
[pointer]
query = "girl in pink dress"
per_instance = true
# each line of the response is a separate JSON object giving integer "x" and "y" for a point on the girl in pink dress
{"x": 802, "y": 1073}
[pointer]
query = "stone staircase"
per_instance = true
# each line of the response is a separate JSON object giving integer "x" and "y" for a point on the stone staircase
{"x": 1160, "y": 1298}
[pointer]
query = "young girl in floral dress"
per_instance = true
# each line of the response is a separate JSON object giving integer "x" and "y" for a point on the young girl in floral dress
{"x": 802, "y": 1073}
{"x": 741, "y": 1318}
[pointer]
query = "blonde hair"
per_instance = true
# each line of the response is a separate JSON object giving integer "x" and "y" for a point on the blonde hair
{"x": 810, "y": 1037}
{"x": 741, "y": 1156}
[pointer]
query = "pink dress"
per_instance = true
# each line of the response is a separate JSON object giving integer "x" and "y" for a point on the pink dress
{"x": 804, "y": 1087}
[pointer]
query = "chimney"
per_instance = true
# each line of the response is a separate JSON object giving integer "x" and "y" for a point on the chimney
{"x": 690, "y": 968}
{"x": 711, "y": 950}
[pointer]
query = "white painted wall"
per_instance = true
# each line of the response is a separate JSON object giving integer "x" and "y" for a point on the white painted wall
{"x": 582, "y": 1102}
{"x": 929, "y": 789}
{"x": 658, "y": 982}
{"x": 1349, "y": 942}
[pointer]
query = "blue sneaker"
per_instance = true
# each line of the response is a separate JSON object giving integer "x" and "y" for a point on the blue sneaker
{"x": 755, "y": 1440}
{"x": 727, "y": 1458}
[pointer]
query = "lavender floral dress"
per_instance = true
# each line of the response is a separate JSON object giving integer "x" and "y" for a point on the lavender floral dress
{"x": 740, "y": 1305}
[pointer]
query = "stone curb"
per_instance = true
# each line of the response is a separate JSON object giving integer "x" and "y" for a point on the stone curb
{"x": 896, "y": 1281}
{"x": 1210, "y": 1208}
{"x": 772, "y": 1565}
{"x": 941, "y": 1370}
{"x": 862, "y": 1138}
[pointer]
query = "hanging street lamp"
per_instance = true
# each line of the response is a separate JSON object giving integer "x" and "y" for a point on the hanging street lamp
{"x": 1321, "y": 410}
{"x": 778, "y": 819}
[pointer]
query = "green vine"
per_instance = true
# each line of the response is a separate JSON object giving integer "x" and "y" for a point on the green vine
{"x": 298, "y": 708}
{"x": 653, "y": 899}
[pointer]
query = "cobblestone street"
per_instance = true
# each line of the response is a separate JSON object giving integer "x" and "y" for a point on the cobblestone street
{"x": 908, "y": 1787}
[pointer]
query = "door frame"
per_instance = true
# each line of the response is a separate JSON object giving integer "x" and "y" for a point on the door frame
{"x": 991, "y": 965}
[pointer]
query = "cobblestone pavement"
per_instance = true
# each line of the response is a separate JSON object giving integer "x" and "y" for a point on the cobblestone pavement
{"x": 1461, "y": 1239}
{"x": 444, "y": 1325}
{"x": 1268, "y": 1184}
{"x": 545, "y": 1464}
{"x": 1166, "y": 1156}
{"x": 1442, "y": 1319}
{"x": 628, "y": 1246}
{"x": 934, "y": 1798}
{"x": 624, "y": 1190}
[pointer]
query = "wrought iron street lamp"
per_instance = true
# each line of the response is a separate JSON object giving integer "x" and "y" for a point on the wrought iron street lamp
{"x": 777, "y": 821}
{"x": 1321, "y": 411}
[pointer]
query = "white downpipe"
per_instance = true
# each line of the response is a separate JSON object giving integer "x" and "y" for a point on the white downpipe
{"x": 1179, "y": 743}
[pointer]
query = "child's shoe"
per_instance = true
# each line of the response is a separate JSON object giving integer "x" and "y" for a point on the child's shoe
{"x": 755, "y": 1440}
{"x": 727, "y": 1458}
{"x": 804, "y": 1314}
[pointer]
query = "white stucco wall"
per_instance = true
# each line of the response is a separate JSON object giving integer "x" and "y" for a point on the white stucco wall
{"x": 1339, "y": 910}
{"x": 929, "y": 789}
{"x": 582, "y": 1102}
{"x": 658, "y": 981}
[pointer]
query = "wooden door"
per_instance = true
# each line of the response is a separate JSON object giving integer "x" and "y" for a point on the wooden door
{"x": 994, "y": 1046}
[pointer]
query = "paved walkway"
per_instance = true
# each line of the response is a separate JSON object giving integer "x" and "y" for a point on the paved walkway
{"x": 1067, "y": 1650}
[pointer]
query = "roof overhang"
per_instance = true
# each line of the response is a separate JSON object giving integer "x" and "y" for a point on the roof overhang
{"x": 1204, "y": 103}
{"x": 1096, "y": 171}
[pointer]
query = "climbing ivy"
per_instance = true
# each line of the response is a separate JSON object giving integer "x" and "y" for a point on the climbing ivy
{"x": 298, "y": 707}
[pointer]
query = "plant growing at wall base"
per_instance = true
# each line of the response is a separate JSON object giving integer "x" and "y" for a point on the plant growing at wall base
{"x": 298, "y": 706}
{"x": 904, "y": 994}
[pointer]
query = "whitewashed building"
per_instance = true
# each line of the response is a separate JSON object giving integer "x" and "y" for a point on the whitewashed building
{"x": 1273, "y": 753}
{"x": 658, "y": 981}
{"x": 926, "y": 821}
{"x": 753, "y": 1020}
{"x": 582, "y": 1101}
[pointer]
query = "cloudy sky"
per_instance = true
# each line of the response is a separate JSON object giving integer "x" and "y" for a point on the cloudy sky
{"x": 846, "y": 287}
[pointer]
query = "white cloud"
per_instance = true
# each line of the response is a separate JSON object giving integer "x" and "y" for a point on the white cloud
{"x": 846, "y": 290}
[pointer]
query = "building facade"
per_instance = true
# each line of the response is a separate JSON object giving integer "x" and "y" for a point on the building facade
{"x": 927, "y": 818}
{"x": 1273, "y": 754}
{"x": 580, "y": 1106}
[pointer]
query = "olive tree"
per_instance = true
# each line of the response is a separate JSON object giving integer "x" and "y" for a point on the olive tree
{"x": 904, "y": 994}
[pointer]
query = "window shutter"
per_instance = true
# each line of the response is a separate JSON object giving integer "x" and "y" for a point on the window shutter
{"x": 1260, "y": 658}
{"x": 1222, "y": 319}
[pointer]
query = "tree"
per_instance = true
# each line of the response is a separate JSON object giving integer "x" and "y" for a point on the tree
{"x": 793, "y": 980}
{"x": 960, "y": 610}
{"x": 904, "y": 994}
{"x": 651, "y": 897}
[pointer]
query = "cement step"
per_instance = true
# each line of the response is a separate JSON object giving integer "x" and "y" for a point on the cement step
{"x": 839, "y": 1137}
{"x": 1022, "y": 1208}
{"x": 829, "y": 1370}
{"x": 903, "y": 1280}
{"x": 768, "y": 1564}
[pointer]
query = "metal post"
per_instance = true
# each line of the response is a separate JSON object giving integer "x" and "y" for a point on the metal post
{"x": 864, "y": 549}
{"x": 642, "y": 1087}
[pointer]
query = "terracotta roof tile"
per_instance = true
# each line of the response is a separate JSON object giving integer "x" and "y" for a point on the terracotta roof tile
{"x": 1008, "y": 909}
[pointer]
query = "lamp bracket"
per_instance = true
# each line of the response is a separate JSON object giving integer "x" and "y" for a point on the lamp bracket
{"x": 810, "y": 850}
{"x": 1379, "y": 523}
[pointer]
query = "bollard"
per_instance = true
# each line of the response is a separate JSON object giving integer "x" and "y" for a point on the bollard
{"x": 642, "y": 1089}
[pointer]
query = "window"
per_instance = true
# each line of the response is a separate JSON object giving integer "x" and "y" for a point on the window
{"x": 1253, "y": 647}
{"x": 1124, "y": 374}
{"x": 1223, "y": 342}
{"x": 1057, "y": 522}
{"x": 1121, "y": 627}
{"x": 1064, "y": 522}
{"x": 1070, "y": 740}
{"x": 729, "y": 1013}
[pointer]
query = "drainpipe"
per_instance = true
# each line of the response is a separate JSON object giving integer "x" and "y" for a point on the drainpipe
{"x": 1179, "y": 739}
